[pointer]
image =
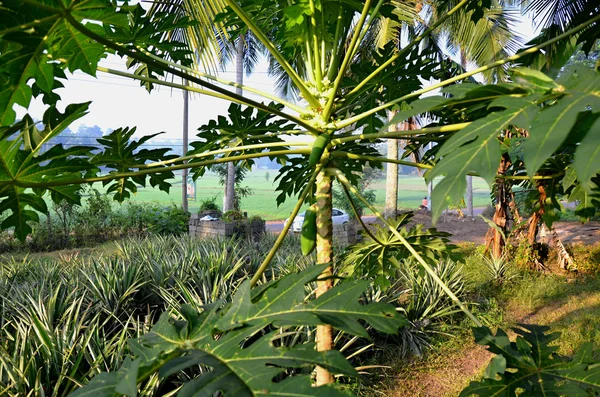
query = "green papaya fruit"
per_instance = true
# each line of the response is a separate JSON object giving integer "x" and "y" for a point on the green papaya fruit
{"x": 318, "y": 148}
{"x": 308, "y": 238}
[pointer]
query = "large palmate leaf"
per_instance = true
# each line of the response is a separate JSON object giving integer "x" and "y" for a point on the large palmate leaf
{"x": 549, "y": 113}
{"x": 239, "y": 347}
{"x": 378, "y": 258}
{"x": 476, "y": 148}
{"x": 26, "y": 161}
{"x": 64, "y": 35}
{"x": 241, "y": 127}
{"x": 122, "y": 154}
{"x": 581, "y": 87}
{"x": 33, "y": 53}
{"x": 530, "y": 366}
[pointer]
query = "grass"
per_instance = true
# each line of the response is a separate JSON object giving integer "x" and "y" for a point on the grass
{"x": 263, "y": 203}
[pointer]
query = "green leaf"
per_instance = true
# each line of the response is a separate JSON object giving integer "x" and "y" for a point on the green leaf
{"x": 533, "y": 78}
{"x": 128, "y": 383}
{"x": 122, "y": 155}
{"x": 246, "y": 359}
{"x": 369, "y": 260}
{"x": 587, "y": 156}
{"x": 285, "y": 303}
{"x": 497, "y": 366}
{"x": 23, "y": 161}
{"x": 476, "y": 148}
{"x": 417, "y": 107}
{"x": 552, "y": 125}
{"x": 531, "y": 364}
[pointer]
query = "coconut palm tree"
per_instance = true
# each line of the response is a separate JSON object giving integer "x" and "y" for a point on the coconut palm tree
{"x": 489, "y": 39}
{"x": 215, "y": 46}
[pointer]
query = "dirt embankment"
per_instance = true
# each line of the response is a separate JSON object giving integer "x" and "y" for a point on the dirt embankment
{"x": 464, "y": 229}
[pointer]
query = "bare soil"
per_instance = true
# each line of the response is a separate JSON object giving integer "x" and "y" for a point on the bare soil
{"x": 465, "y": 229}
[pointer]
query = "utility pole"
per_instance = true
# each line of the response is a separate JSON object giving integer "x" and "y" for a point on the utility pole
{"x": 184, "y": 172}
{"x": 429, "y": 185}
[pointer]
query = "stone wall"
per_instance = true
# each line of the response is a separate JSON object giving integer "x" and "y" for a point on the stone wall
{"x": 225, "y": 229}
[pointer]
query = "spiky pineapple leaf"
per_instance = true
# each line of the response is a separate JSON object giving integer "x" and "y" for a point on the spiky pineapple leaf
{"x": 532, "y": 365}
{"x": 239, "y": 344}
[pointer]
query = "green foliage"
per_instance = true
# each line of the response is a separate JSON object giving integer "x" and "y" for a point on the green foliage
{"x": 380, "y": 258}
{"x": 346, "y": 87}
{"x": 210, "y": 204}
{"x": 232, "y": 216}
{"x": 22, "y": 159}
{"x": 241, "y": 127}
{"x": 530, "y": 365}
{"x": 248, "y": 366}
{"x": 425, "y": 305}
{"x": 342, "y": 201}
{"x": 123, "y": 155}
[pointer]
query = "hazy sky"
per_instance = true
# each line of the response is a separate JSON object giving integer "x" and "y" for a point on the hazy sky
{"x": 121, "y": 102}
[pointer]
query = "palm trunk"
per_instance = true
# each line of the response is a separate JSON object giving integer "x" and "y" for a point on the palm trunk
{"x": 229, "y": 199}
{"x": 391, "y": 179}
{"x": 469, "y": 196}
{"x": 184, "y": 172}
{"x": 324, "y": 255}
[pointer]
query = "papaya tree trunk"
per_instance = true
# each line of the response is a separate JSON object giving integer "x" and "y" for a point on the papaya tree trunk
{"x": 324, "y": 255}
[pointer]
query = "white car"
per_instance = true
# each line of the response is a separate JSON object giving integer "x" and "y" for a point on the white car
{"x": 339, "y": 217}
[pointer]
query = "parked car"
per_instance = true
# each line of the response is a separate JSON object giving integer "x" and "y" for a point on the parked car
{"x": 339, "y": 217}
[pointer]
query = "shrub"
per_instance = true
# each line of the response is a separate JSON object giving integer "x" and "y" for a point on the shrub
{"x": 232, "y": 216}
{"x": 210, "y": 204}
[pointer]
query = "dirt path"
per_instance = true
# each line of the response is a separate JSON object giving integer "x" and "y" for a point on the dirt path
{"x": 447, "y": 371}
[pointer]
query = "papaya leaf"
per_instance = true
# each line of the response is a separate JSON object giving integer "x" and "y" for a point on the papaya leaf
{"x": 242, "y": 126}
{"x": 531, "y": 364}
{"x": 25, "y": 160}
{"x": 476, "y": 148}
{"x": 238, "y": 345}
{"x": 122, "y": 155}
{"x": 587, "y": 156}
{"x": 340, "y": 309}
{"x": 552, "y": 125}
{"x": 369, "y": 259}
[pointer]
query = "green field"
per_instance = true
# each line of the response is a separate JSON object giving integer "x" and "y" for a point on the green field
{"x": 411, "y": 191}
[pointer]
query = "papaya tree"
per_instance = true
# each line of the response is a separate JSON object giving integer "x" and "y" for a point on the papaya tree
{"x": 343, "y": 102}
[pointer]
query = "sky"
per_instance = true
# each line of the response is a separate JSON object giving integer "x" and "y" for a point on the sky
{"x": 121, "y": 102}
